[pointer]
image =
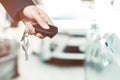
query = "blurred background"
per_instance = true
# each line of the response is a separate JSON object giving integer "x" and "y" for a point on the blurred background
{"x": 85, "y": 48}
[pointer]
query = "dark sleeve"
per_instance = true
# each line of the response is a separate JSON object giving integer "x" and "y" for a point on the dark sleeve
{"x": 14, "y": 6}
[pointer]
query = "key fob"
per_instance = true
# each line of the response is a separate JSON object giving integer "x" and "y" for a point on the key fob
{"x": 47, "y": 32}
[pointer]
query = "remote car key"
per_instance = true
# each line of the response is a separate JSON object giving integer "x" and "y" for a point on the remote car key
{"x": 38, "y": 29}
{"x": 47, "y": 32}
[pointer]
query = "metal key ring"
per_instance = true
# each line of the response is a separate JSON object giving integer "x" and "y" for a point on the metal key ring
{"x": 25, "y": 43}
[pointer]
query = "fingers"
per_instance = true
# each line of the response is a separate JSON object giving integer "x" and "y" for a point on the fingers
{"x": 42, "y": 19}
{"x": 45, "y": 17}
{"x": 40, "y": 35}
{"x": 30, "y": 29}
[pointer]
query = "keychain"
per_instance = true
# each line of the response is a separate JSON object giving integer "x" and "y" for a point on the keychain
{"x": 25, "y": 44}
{"x": 38, "y": 29}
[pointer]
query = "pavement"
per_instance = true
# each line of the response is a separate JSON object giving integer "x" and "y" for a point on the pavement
{"x": 34, "y": 69}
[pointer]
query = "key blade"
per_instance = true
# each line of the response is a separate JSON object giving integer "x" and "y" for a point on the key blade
{"x": 26, "y": 55}
{"x": 25, "y": 44}
{"x": 23, "y": 36}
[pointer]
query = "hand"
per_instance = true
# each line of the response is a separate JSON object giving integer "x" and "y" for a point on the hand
{"x": 31, "y": 15}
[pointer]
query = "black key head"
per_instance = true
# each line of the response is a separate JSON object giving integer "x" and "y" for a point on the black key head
{"x": 47, "y": 32}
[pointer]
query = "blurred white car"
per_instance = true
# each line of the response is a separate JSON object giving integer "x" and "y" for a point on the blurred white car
{"x": 69, "y": 44}
{"x": 73, "y": 22}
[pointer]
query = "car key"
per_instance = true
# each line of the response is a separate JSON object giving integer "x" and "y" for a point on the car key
{"x": 25, "y": 43}
{"x": 38, "y": 29}
{"x": 46, "y": 32}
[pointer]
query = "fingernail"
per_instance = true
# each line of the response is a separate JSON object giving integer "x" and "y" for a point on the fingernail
{"x": 46, "y": 26}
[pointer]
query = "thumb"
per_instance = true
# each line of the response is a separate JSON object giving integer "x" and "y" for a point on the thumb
{"x": 41, "y": 21}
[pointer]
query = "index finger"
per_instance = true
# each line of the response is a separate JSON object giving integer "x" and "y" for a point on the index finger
{"x": 45, "y": 17}
{"x": 40, "y": 21}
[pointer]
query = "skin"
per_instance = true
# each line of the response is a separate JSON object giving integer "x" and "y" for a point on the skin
{"x": 31, "y": 15}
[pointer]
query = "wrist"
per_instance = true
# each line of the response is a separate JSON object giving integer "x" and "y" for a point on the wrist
{"x": 20, "y": 14}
